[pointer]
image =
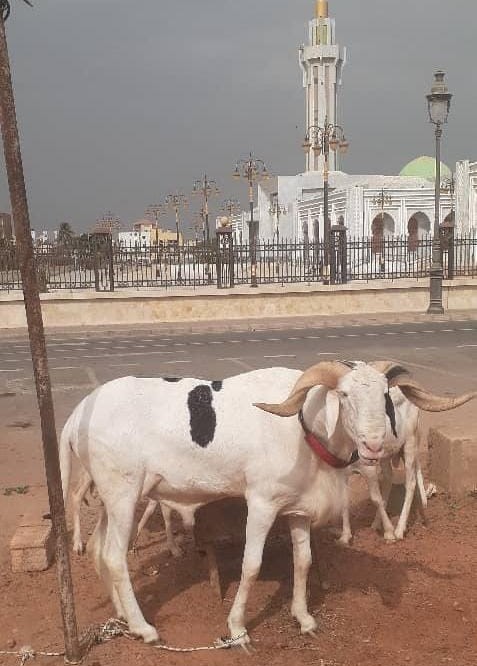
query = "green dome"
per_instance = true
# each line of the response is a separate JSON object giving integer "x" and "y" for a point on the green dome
{"x": 425, "y": 167}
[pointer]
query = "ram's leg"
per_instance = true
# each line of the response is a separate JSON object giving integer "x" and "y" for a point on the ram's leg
{"x": 95, "y": 549}
{"x": 77, "y": 496}
{"x": 148, "y": 511}
{"x": 172, "y": 546}
{"x": 346, "y": 535}
{"x": 410, "y": 461}
{"x": 300, "y": 535}
{"x": 120, "y": 511}
{"x": 261, "y": 516}
{"x": 386, "y": 485}
{"x": 371, "y": 475}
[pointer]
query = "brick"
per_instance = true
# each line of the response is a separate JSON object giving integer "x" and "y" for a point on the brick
{"x": 453, "y": 459}
{"x": 32, "y": 547}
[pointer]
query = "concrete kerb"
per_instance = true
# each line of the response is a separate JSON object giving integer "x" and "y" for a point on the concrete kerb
{"x": 250, "y": 325}
{"x": 242, "y": 309}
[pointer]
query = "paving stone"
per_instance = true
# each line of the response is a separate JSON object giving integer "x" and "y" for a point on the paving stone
{"x": 32, "y": 547}
{"x": 453, "y": 459}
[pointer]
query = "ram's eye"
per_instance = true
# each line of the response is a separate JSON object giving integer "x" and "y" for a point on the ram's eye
{"x": 342, "y": 394}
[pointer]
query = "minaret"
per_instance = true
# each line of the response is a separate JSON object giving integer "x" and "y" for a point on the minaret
{"x": 322, "y": 62}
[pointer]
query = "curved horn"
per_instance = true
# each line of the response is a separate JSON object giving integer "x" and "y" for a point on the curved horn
{"x": 430, "y": 402}
{"x": 391, "y": 370}
{"x": 327, "y": 374}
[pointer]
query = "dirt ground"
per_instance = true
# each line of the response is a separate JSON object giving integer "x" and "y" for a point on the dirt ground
{"x": 414, "y": 602}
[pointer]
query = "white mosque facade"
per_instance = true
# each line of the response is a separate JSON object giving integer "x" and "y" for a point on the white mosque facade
{"x": 365, "y": 204}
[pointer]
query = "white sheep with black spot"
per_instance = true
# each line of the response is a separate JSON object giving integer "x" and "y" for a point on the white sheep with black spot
{"x": 140, "y": 436}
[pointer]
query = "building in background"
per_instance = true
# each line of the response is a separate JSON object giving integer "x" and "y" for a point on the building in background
{"x": 146, "y": 234}
{"x": 366, "y": 205}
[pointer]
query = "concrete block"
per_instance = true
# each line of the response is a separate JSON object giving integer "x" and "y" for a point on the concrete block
{"x": 453, "y": 459}
{"x": 32, "y": 547}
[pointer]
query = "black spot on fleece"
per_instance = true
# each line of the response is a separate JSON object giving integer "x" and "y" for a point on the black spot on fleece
{"x": 203, "y": 418}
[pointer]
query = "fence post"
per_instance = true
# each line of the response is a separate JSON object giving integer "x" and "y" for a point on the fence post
{"x": 96, "y": 266}
{"x": 19, "y": 203}
{"x": 111, "y": 262}
{"x": 446, "y": 244}
{"x": 218, "y": 260}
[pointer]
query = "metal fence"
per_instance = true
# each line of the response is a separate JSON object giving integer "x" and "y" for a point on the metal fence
{"x": 107, "y": 265}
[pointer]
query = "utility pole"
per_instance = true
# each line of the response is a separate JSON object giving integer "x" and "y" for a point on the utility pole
{"x": 21, "y": 218}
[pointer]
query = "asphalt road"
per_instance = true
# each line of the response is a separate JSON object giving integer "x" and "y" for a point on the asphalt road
{"x": 444, "y": 352}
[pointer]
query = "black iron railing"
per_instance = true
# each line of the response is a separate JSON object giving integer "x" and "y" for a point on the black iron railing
{"x": 107, "y": 265}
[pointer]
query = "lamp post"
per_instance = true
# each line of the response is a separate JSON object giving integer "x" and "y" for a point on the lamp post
{"x": 107, "y": 223}
{"x": 155, "y": 211}
{"x": 276, "y": 209}
{"x": 199, "y": 225}
{"x": 175, "y": 202}
{"x": 382, "y": 200}
{"x": 231, "y": 207}
{"x": 322, "y": 139}
{"x": 252, "y": 170}
{"x": 207, "y": 188}
{"x": 448, "y": 187}
{"x": 439, "y": 101}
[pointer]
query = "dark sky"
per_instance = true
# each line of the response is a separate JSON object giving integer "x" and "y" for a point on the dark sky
{"x": 121, "y": 102}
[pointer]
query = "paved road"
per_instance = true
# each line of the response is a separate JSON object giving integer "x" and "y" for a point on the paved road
{"x": 445, "y": 352}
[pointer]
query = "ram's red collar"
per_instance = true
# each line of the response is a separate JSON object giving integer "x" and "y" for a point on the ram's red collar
{"x": 321, "y": 451}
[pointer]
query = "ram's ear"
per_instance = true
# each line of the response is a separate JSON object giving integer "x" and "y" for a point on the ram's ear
{"x": 332, "y": 412}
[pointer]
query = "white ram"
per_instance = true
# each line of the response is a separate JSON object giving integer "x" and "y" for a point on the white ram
{"x": 401, "y": 441}
{"x": 195, "y": 441}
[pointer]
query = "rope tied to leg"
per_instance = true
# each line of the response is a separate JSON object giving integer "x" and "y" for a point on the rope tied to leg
{"x": 113, "y": 628}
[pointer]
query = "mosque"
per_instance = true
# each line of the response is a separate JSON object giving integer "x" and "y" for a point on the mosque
{"x": 291, "y": 207}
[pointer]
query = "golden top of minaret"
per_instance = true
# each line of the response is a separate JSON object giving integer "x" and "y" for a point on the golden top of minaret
{"x": 321, "y": 8}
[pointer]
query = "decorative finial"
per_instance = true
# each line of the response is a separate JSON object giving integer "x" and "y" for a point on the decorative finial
{"x": 321, "y": 8}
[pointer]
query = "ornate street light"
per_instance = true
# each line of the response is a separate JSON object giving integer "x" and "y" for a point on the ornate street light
{"x": 448, "y": 187}
{"x": 175, "y": 202}
{"x": 199, "y": 225}
{"x": 321, "y": 140}
{"x": 439, "y": 101}
{"x": 252, "y": 170}
{"x": 155, "y": 211}
{"x": 207, "y": 188}
{"x": 107, "y": 223}
{"x": 231, "y": 207}
{"x": 276, "y": 209}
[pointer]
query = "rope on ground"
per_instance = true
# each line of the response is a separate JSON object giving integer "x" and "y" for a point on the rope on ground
{"x": 27, "y": 652}
{"x": 113, "y": 628}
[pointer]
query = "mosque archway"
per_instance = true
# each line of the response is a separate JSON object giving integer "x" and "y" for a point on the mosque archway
{"x": 418, "y": 226}
{"x": 381, "y": 227}
{"x": 449, "y": 219}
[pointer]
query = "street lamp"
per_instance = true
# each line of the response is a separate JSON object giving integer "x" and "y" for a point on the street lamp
{"x": 382, "y": 200}
{"x": 322, "y": 139}
{"x": 175, "y": 202}
{"x": 439, "y": 101}
{"x": 199, "y": 224}
{"x": 108, "y": 223}
{"x": 276, "y": 209}
{"x": 231, "y": 207}
{"x": 207, "y": 188}
{"x": 155, "y": 210}
{"x": 252, "y": 170}
{"x": 448, "y": 187}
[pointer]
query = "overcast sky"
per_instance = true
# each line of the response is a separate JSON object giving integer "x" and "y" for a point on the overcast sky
{"x": 122, "y": 102}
